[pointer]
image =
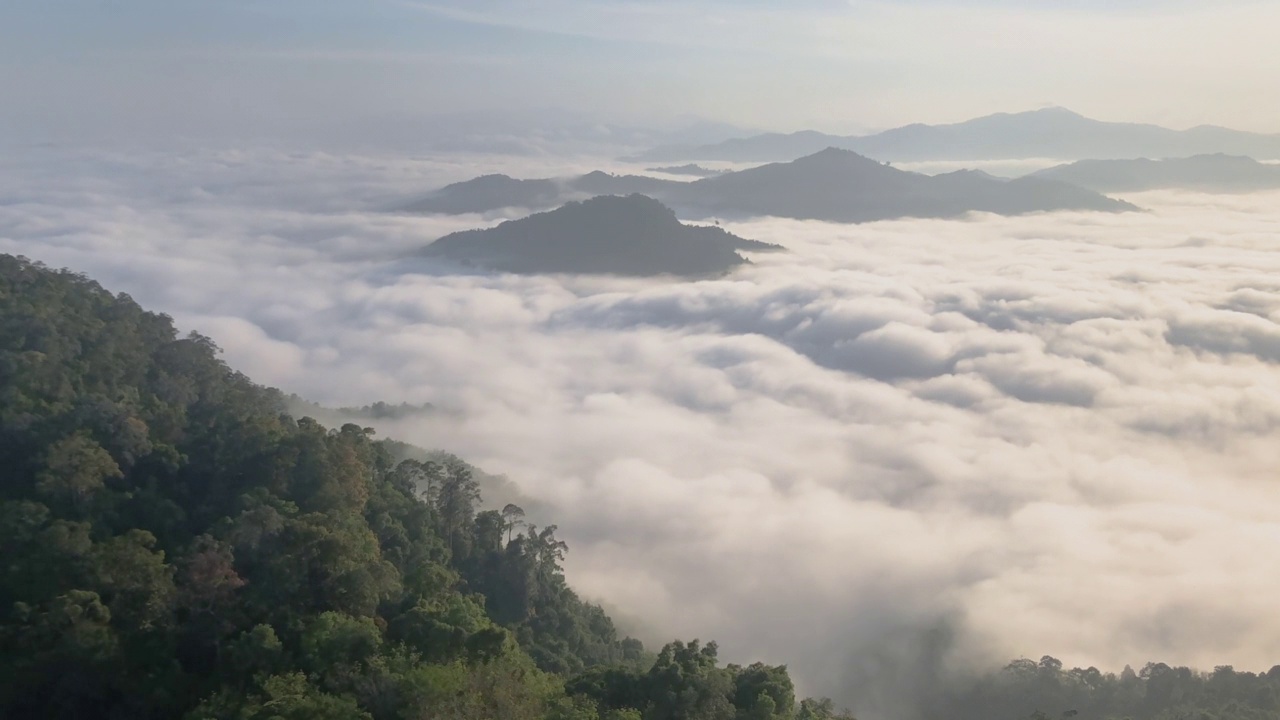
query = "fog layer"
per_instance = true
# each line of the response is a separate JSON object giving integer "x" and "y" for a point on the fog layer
{"x": 897, "y": 449}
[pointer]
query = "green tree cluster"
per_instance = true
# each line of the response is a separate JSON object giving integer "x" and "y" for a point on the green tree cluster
{"x": 1045, "y": 690}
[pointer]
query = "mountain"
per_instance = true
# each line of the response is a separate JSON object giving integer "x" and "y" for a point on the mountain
{"x": 842, "y": 186}
{"x": 1210, "y": 173}
{"x": 488, "y": 192}
{"x": 690, "y": 169}
{"x": 631, "y": 235}
{"x": 835, "y": 185}
{"x": 1046, "y": 133}
{"x": 765, "y": 147}
{"x": 177, "y": 545}
{"x": 494, "y": 192}
{"x": 602, "y": 183}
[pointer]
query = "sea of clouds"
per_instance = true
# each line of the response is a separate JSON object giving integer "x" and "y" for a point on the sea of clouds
{"x": 898, "y": 449}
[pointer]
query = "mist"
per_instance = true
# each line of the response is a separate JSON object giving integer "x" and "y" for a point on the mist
{"x": 895, "y": 454}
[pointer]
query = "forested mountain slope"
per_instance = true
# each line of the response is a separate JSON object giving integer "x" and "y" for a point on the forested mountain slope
{"x": 176, "y": 545}
{"x": 173, "y": 544}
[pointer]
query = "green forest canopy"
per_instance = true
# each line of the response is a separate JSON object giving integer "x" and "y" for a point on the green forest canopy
{"x": 175, "y": 544}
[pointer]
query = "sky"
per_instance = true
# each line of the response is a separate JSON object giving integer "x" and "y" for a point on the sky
{"x": 394, "y": 71}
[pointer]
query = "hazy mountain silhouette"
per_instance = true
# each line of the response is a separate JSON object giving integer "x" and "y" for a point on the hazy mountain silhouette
{"x": 764, "y": 147}
{"x": 842, "y": 186}
{"x": 835, "y": 185}
{"x": 1211, "y": 173}
{"x": 602, "y": 183}
{"x": 493, "y": 192}
{"x": 489, "y": 192}
{"x": 690, "y": 169}
{"x": 632, "y": 235}
{"x": 1051, "y": 132}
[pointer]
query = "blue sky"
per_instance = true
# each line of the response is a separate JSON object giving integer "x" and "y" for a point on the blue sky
{"x": 82, "y": 67}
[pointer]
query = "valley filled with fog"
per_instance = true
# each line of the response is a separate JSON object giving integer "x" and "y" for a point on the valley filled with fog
{"x": 896, "y": 452}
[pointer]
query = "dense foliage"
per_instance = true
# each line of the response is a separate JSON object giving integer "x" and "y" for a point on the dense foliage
{"x": 175, "y": 544}
{"x": 1045, "y": 690}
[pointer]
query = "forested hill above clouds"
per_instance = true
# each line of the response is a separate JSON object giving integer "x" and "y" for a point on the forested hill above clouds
{"x": 831, "y": 184}
{"x": 632, "y": 235}
{"x": 176, "y": 545}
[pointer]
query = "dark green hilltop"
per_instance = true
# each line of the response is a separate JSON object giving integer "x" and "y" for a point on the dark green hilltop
{"x": 176, "y": 545}
{"x": 632, "y": 235}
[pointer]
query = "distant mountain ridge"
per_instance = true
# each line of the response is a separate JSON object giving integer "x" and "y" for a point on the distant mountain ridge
{"x": 493, "y": 192}
{"x": 1050, "y": 132}
{"x": 842, "y": 186}
{"x": 632, "y": 235}
{"x": 689, "y": 169}
{"x": 1209, "y": 173}
{"x": 834, "y": 185}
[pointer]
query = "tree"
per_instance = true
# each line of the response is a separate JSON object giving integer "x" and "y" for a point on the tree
{"x": 56, "y": 661}
{"x": 209, "y": 581}
{"x": 762, "y": 692}
{"x": 685, "y": 684}
{"x": 488, "y": 532}
{"x": 286, "y": 696}
{"x": 76, "y": 467}
{"x": 134, "y": 580}
{"x": 512, "y": 517}
{"x": 456, "y": 498}
{"x": 820, "y": 709}
{"x": 546, "y": 552}
{"x": 332, "y": 642}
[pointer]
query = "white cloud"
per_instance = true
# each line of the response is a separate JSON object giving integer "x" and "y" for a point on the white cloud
{"x": 896, "y": 444}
